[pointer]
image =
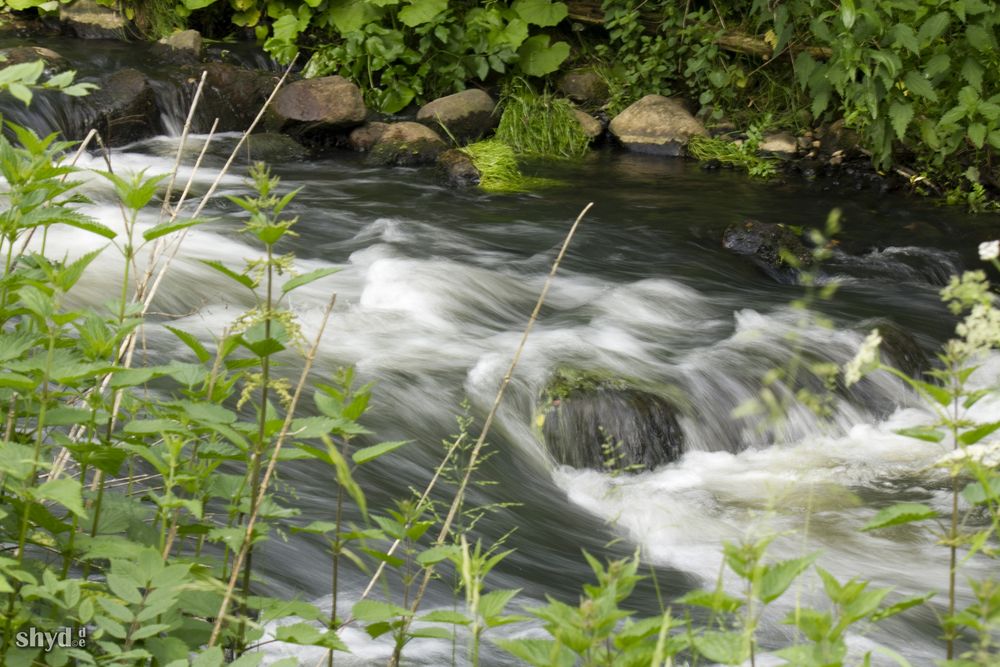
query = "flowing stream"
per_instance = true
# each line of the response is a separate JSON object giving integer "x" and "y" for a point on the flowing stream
{"x": 436, "y": 286}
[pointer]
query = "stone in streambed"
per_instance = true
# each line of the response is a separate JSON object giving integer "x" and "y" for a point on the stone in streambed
{"x": 584, "y": 86}
{"x": 184, "y": 46}
{"x": 363, "y": 139}
{"x": 899, "y": 348}
{"x": 467, "y": 115}
{"x": 458, "y": 169}
{"x": 232, "y": 94}
{"x": 763, "y": 242}
{"x": 406, "y": 144}
{"x": 326, "y": 103}
{"x": 123, "y": 109}
{"x": 591, "y": 127}
{"x": 658, "y": 125}
{"x": 88, "y": 20}
{"x": 25, "y": 54}
{"x": 603, "y": 423}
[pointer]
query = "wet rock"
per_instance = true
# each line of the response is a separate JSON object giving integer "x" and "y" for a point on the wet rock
{"x": 458, "y": 169}
{"x": 232, "y": 94}
{"x": 26, "y": 54}
{"x": 584, "y": 86}
{"x": 88, "y": 20}
{"x": 468, "y": 115}
{"x": 591, "y": 126}
{"x": 779, "y": 143}
{"x": 271, "y": 147}
{"x": 899, "y": 348}
{"x": 589, "y": 422}
{"x": 406, "y": 144}
{"x": 838, "y": 137}
{"x": 28, "y": 27}
{"x": 184, "y": 46}
{"x": 123, "y": 109}
{"x": 656, "y": 124}
{"x": 326, "y": 103}
{"x": 763, "y": 242}
{"x": 363, "y": 139}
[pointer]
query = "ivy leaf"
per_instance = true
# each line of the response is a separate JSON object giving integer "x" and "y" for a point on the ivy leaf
{"x": 419, "y": 12}
{"x": 918, "y": 84}
{"x": 900, "y": 513}
{"x": 537, "y": 58}
{"x": 901, "y": 115}
{"x": 544, "y": 13}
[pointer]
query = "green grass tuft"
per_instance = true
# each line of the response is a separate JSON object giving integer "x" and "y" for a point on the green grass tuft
{"x": 499, "y": 171}
{"x": 540, "y": 125}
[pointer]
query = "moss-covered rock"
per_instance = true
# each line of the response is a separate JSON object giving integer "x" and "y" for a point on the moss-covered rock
{"x": 593, "y": 420}
{"x": 584, "y": 86}
{"x": 763, "y": 243}
{"x": 458, "y": 169}
{"x": 404, "y": 144}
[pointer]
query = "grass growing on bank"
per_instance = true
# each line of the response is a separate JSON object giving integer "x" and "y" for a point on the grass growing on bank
{"x": 497, "y": 164}
{"x": 539, "y": 124}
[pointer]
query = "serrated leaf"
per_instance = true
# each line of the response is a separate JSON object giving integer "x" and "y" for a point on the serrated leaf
{"x": 66, "y": 492}
{"x": 367, "y": 454}
{"x": 918, "y": 84}
{"x": 901, "y": 114}
{"x": 374, "y": 611}
{"x": 977, "y": 134}
{"x": 170, "y": 227}
{"x": 779, "y": 576}
{"x": 240, "y": 278}
{"x": 445, "y": 616}
{"x": 899, "y": 514}
{"x": 728, "y": 648}
{"x": 306, "y": 278}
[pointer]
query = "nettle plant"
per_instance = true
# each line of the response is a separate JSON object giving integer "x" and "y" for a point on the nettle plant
{"x": 973, "y": 464}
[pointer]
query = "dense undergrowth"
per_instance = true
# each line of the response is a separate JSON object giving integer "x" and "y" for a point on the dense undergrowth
{"x": 134, "y": 494}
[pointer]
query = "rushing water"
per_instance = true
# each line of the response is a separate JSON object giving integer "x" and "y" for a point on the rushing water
{"x": 435, "y": 288}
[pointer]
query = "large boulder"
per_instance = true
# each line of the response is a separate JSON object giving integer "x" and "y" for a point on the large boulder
{"x": 763, "y": 243}
{"x": 467, "y": 115}
{"x": 458, "y": 169}
{"x": 592, "y": 422}
{"x": 584, "y": 86}
{"x": 123, "y": 109}
{"x": 899, "y": 348}
{"x": 656, "y": 124}
{"x": 232, "y": 94}
{"x": 363, "y": 139}
{"x": 405, "y": 144}
{"x": 88, "y": 20}
{"x": 326, "y": 103}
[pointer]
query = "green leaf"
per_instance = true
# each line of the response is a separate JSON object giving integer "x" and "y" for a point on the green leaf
{"x": 900, "y": 607}
{"x": 375, "y": 451}
{"x": 344, "y": 477}
{"x": 169, "y": 227}
{"x": 241, "y": 278}
{"x": 899, "y": 514}
{"x": 419, "y": 12}
{"x": 901, "y": 115}
{"x": 544, "y": 13}
{"x": 493, "y": 603}
{"x": 23, "y": 73}
{"x": 306, "y": 278}
{"x": 192, "y": 342}
{"x": 537, "y": 58}
{"x": 779, "y": 576}
{"x": 374, "y": 611}
{"x": 124, "y": 588}
{"x": 435, "y": 555}
{"x": 918, "y": 84}
{"x": 848, "y": 13}
{"x": 979, "y": 38}
{"x": 197, "y": 4}
{"x": 932, "y": 28}
{"x": 925, "y": 433}
{"x": 977, "y": 134}
{"x": 539, "y": 652}
{"x": 973, "y": 72}
{"x": 66, "y": 492}
{"x": 729, "y": 648}
{"x": 977, "y": 494}
{"x": 211, "y": 657}
{"x": 903, "y": 35}
{"x": 445, "y": 616}
{"x": 717, "y": 600}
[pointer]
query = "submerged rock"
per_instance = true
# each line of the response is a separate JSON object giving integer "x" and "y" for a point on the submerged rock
{"x": 123, "y": 109}
{"x": 899, "y": 348}
{"x": 467, "y": 115}
{"x": 605, "y": 424}
{"x": 763, "y": 243}
{"x": 405, "y": 144}
{"x": 458, "y": 169}
{"x": 656, "y": 124}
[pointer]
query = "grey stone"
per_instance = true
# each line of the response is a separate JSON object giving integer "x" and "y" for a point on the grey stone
{"x": 363, "y": 139}
{"x": 232, "y": 94}
{"x": 458, "y": 169}
{"x": 584, "y": 86}
{"x": 25, "y": 54}
{"x": 182, "y": 46}
{"x": 89, "y": 20}
{"x": 406, "y": 144}
{"x": 123, "y": 109}
{"x": 656, "y": 124}
{"x": 329, "y": 102}
{"x": 467, "y": 115}
{"x": 591, "y": 126}
{"x": 779, "y": 143}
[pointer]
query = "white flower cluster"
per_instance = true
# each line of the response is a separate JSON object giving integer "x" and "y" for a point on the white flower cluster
{"x": 984, "y": 453}
{"x": 865, "y": 361}
{"x": 989, "y": 250}
{"x": 980, "y": 331}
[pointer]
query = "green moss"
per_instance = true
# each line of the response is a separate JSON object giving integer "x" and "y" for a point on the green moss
{"x": 540, "y": 125}
{"x": 742, "y": 156}
{"x": 498, "y": 168}
{"x": 567, "y": 381}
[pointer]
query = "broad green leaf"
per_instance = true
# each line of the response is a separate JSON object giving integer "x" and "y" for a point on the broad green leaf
{"x": 974, "y": 435}
{"x": 374, "y": 611}
{"x": 977, "y": 494}
{"x": 23, "y": 73}
{"x": 918, "y": 84}
{"x": 169, "y": 227}
{"x": 435, "y": 555}
{"x": 66, "y": 492}
{"x": 539, "y": 652}
{"x": 728, "y": 648}
{"x": 779, "y": 576}
{"x": 922, "y": 433}
{"x": 344, "y": 477}
{"x": 904, "y": 35}
{"x": 932, "y": 28}
{"x": 544, "y": 13}
{"x": 899, "y": 514}
{"x": 901, "y": 114}
{"x": 419, "y": 12}
{"x": 493, "y": 603}
{"x": 241, "y": 278}
{"x": 717, "y": 600}
{"x": 306, "y": 278}
{"x": 197, "y": 4}
{"x": 979, "y": 38}
{"x": 900, "y": 607}
{"x": 977, "y": 134}
{"x": 537, "y": 58}
{"x": 193, "y": 343}
{"x": 848, "y": 13}
{"x": 375, "y": 451}
{"x": 445, "y": 616}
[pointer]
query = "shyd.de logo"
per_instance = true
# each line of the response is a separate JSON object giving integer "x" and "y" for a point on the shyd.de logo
{"x": 63, "y": 638}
